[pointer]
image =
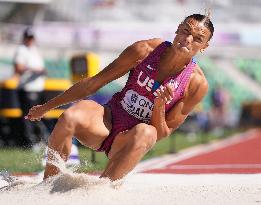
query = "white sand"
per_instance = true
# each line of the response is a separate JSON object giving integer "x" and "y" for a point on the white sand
{"x": 137, "y": 189}
{"x": 158, "y": 189}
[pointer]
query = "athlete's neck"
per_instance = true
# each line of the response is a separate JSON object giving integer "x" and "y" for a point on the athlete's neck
{"x": 177, "y": 61}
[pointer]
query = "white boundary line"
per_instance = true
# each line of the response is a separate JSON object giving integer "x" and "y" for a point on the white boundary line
{"x": 217, "y": 166}
{"x": 161, "y": 162}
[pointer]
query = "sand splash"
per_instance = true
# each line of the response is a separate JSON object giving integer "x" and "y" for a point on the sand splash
{"x": 136, "y": 189}
{"x": 63, "y": 182}
{"x": 67, "y": 182}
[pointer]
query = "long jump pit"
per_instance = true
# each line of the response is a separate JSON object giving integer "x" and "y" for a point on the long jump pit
{"x": 136, "y": 189}
{"x": 228, "y": 172}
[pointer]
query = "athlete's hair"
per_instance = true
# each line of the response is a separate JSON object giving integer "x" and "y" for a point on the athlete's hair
{"x": 205, "y": 19}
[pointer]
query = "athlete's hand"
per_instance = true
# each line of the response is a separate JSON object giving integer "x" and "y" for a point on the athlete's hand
{"x": 165, "y": 94}
{"x": 36, "y": 113}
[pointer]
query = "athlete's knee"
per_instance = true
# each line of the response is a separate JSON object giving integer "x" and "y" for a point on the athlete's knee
{"x": 68, "y": 118}
{"x": 145, "y": 137}
{"x": 145, "y": 130}
{"x": 79, "y": 111}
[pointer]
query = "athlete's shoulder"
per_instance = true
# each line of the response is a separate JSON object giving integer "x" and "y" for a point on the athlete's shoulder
{"x": 154, "y": 42}
{"x": 199, "y": 75}
{"x": 198, "y": 84}
{"x": 144, "y": 47}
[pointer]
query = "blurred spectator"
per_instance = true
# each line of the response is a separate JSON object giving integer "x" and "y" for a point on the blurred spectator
{"x": 202, "y": 118}
{"x": 30, "y": 72}
{"x": 28, "y": 64}
{"x": 197, "y": 122}
{"x": 220, "y": 104}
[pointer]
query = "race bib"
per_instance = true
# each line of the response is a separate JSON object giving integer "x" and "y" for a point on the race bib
{"x": 138, "y": 106}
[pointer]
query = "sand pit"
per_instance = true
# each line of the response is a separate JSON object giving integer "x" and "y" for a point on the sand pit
{"x": 137, "y": 189}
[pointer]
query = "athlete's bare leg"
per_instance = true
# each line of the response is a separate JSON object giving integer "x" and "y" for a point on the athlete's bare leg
{"x": 88, "y": 121}
{"x": 66, "y": 150}
{"x": 128, "y": 149}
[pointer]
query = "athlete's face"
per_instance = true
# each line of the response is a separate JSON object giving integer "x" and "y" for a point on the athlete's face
{"x": 192, "y": 36}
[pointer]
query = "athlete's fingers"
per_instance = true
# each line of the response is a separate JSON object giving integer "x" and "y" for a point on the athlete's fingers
{"x": 28, "y": 116}
{"x": 160, "y": 94}
{"x": 170, "y": 90}
{"x": 164, "y": 94}
{"x": 167, "y": 94}
{"x": 159, "y": 100}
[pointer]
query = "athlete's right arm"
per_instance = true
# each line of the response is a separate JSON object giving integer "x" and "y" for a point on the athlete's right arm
{"x": 119, "y": 67}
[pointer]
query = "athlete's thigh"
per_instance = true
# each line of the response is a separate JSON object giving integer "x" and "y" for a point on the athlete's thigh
{"x": 120, "y": 141}
{"x": 125, "y": 137}
{"x": 93, "y": 123}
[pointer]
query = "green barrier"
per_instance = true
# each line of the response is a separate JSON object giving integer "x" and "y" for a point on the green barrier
{"x": 252, "y": 67}
{"x": 58, "y": 69}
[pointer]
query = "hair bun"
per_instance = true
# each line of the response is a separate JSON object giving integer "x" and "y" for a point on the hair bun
{"x": 208, "y": 13}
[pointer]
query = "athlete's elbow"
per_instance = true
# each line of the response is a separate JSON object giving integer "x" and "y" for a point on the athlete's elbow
{"x": 175, "y": 126}
{"x": 164, "y": 133}
{"x": 168, "y": 132}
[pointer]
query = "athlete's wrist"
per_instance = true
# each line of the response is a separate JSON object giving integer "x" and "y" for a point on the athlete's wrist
{"x": 159, "y": 102}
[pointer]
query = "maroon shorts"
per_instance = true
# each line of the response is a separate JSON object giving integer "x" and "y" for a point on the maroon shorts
{"x": 121, "y": 121}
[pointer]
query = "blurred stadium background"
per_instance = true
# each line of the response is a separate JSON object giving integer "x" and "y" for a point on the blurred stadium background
{"x": 80, "y": 37}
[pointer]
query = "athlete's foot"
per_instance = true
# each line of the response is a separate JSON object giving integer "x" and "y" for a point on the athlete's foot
{"x": 112, "y": 176}
{"x": 50, "y": 170}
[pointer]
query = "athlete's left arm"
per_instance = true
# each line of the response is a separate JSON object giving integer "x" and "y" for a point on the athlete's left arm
{"x": 196, "y": 90}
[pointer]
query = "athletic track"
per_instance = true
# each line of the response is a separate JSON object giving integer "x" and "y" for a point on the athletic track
{"x": 240, "y": 154}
